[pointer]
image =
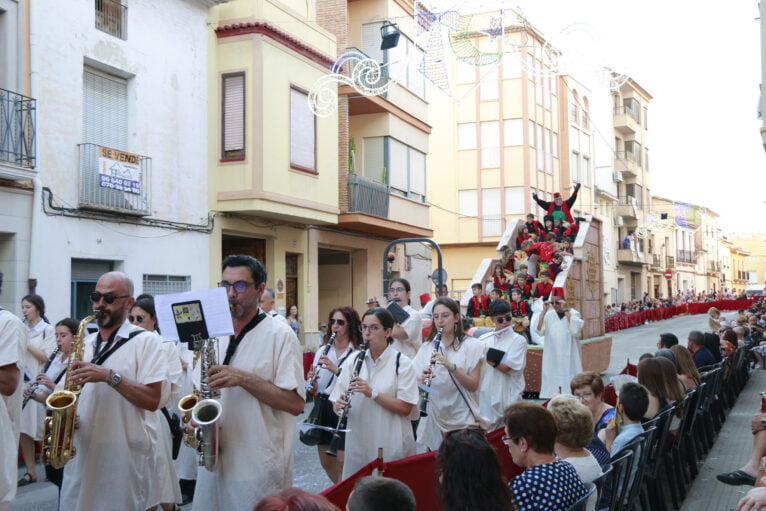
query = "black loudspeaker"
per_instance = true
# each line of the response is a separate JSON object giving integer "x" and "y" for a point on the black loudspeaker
{"x": 389, "y": 34}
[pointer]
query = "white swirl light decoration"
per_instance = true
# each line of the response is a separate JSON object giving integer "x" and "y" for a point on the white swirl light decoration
{"x": 641, "y": 232}
{"x": 363, "y": 77}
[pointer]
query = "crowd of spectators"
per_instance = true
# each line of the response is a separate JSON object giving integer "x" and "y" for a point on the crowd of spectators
{"x": 679, "y": 298}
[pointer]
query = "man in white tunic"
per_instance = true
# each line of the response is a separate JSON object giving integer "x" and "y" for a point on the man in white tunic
{"x": 13, "y": 343}
{"x": 561, "y": 356}
{"x": 262, "y": 392}
{"x": 502, "y": 381}
{"x": 407, "y": 335}
{"x": 122, "y": 373}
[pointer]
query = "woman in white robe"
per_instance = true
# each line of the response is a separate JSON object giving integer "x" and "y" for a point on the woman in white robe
{"x": 384, "y": 397}
{"x": 186, "y": 462}
{"x": 454, "y": 378}
{"x": 42, "y": 343}
{"x": 561, "y": 356}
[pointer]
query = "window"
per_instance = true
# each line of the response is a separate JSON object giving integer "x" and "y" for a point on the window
{"x": 555, "y": 145}
{"x": 489, "y": 90}
{"x": 586, "y": 170}
{"x": 166, "y": 284}
{"x": 633, "y": 151}
{"x": 112, "y": 17}
{"x": 466, "y": 136}
{"x": 468, "y": 203}
{"x": 513, "y": 132}
{"x": 491, "y": 218}
{"x": 373, "y": 163}
{"x": 302, "y": 132}
{"x": 531, "y": 127}
{"x": 514, "y": 200}
{"x": 540, "y": 147}
{"x": 511, "y": 67}
{"x": 646, "y": 118}
{"x": 574, "y": 164}
{"x": 490, "y": 144}
{"x": 405, "y": 167}
{"x": 646, "y": 160}
{"x": 233, "y": 116}
{"x": 405, "y": 61}
{"x": 584, "y": 119}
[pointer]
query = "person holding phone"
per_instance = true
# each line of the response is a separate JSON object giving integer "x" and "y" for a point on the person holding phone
{"x": 502, "y": 383}
{"x": 561, "y": 327}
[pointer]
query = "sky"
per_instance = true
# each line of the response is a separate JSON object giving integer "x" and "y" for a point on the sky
{"x": 701, "y": 62}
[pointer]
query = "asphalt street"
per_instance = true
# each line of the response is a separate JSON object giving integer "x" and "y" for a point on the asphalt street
{"x": 307, "y": 472}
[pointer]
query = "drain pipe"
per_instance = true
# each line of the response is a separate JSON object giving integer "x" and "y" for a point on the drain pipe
{"x": 36, "y": 235}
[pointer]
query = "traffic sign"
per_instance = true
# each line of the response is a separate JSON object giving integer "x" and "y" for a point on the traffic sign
{"x": 668, "y": 274}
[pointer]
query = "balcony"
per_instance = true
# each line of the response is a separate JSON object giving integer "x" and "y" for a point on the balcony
{"x": 18, "y": 155}
{"x": 373, "y": 209}
{"x": 713, "y": 268}
{"x": 656, "y": 262}
{"x": 670, "y": 262}
{"x": 112, "y": 18}
{"x": 628, "y": 163}
{"x": 686, "y": 256}
{"x": 626, "y": 119}
{"x": 630, "y": 257}
{"x": 114, "y": 181}
{"x": 627, "y": 208}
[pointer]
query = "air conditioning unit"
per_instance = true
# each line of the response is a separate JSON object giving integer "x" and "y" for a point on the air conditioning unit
{"x": 618, "y": 221}
{"x": 617, "y": 177}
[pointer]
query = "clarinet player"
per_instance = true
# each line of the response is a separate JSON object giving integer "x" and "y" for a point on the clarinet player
{"x": 344, "y": 325}
{"x": 262, "y": 391}
{"x": 382, "y": 397}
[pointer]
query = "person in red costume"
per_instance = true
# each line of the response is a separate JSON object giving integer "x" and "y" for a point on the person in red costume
{"x": 559, "y": 207}
{"x": 544, "y": 287}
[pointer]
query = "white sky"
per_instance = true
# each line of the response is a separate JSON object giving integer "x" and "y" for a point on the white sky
{"x": 701, "y": 62}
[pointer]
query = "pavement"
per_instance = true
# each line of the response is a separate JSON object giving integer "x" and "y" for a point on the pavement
{"x": 627, "y": 345}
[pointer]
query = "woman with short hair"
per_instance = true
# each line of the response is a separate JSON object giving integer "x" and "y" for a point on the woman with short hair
{"x": 575, "y": 431}
{"x": 588, "y": 387}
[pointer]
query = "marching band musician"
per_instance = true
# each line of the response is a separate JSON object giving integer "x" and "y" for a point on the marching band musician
{"x": 407, "y": 335}
{"x": 344, "y": 323}
{"x": 122, "y": 373}
{"x": 13, "y": 344}
{"x": 41, "y": 344}
{"x": 384, "y": 396}
{"x": 455, "y": 376}
{"x": 262, "y": 392}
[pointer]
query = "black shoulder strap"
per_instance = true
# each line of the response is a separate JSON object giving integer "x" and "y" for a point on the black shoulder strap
{"x": 339, "y": 364}
{"x": 398, "y": 356}
{"x": 101, "y": 358}
{"x": 233, "y": 343}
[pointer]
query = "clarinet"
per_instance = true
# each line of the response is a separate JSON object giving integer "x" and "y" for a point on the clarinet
{"x": 332, "y": 450}
{"x": 427, "y": 382}
{"x": 34, "y": 385}
{"x": 312, "y": 381}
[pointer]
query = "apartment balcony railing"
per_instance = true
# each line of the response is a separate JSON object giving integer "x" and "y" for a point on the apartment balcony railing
{"x": 367, "y": 196}
{"x": 713, "y": 266}
{"x": 114, "y": 180}
{"x": 626, "y": 110}
{"x": 18, "y": 129}
{"x": 628, "y": 163}
{"x": 656, "y": 261}
{"x": 670, "y": 262}
{"x": 686, "y": 256}
{"x": 112, "y": 18}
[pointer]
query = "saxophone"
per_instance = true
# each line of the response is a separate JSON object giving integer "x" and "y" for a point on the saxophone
{"x": 207, "y": 409}
{"x": 58, "y": 436}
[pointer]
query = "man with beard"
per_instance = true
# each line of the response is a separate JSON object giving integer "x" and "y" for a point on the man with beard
{"x": 262, "y": 392}
{"x": 122, "y": 372}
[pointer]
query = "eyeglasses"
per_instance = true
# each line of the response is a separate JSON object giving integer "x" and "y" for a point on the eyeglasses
{"x": 506, "y": 439}
{"x": 397, "y": 290}
{"x": 109, "y": 298}
{"x": 371, "y": 328}
{"x": 339, "y": 322}
{"x": 443, "y": 316}
{"x": 584, "y": 395}
{"x": 239, "y": 287}
{"x": 136, "y": 319}
{"x": 501, "y": 319}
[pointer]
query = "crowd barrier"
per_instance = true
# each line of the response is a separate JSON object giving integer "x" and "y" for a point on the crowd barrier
{"x": 623, "y": 321}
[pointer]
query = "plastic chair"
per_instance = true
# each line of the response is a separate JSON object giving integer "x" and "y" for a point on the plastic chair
{"x": 600, "y": 483}
{"x": 615, "y": 485}
{"x": 582, "y": 503}
{"x": 674, "y": 469}
{"x": 644, "y": 449}
{"x": 652, "y": 494}
{"x": 691, "y": 431}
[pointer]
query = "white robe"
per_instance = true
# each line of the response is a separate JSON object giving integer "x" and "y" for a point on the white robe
{"x": 414, "y": 327}
{"x": 256, "y": 441}
{"x": 561, "y": 356}
{"x": 372, "y": 426}
{"x": 499, "y": 390}
{"x": 186, "y": 462}
{"x": 114, "y": 448}
{"x": 42, "y": 337}
{"x": 165, "y": 487}
{"x": 326, "y": 380}
{"x": 13, "y": 345}
{"x": 448, "y": 411}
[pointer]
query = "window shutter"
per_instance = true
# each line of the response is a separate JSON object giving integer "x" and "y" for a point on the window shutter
{"x": 302, "y": 132}
{"x": 233, "y": 116}
{"x": 105, "y": 110}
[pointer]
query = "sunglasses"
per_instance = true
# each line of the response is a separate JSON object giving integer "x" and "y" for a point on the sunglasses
{"x": 340, "y": 322}
{"x": 239, "y": 287}
{"x": 397, "y": 290}
{"x": 109, "y": 298}
{"x": 506, "y": 319}
{"x": 136, "y": 319}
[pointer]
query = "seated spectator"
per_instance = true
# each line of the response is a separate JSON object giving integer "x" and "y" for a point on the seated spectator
{"x": 667, "y": 341}
{"x": 631, "y": 408}
{"x": 729, "y": 341}
{"x": 478, "y": 305}
{"x": 666, "y": 353}
{"x": 495, "y": 294}
{"x": 749, "y": 471}
{"x": 547, "y": 483}
{"x": 588, "y": 387}
{"x": 295, "y": 499}
{"x": 714, "y": 319}
{"x": 687, "y": 371}
{"x": 701, "y": 355}
{"x": 658, "y": 376}
{"x": 713, "y": 344}
{"x": 463, "y": 452}
{"x": 754, "y": 500}
{"x": 575, "y": 431}
{"x": 499, "y": 278}
{"x": 377, "y": 493}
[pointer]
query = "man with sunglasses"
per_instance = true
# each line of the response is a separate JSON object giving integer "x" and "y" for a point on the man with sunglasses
{"x": 262, "y": 392}
{"x": 560, "y": 327}
{"x": 123, "y": 375}
{"x": 502, "y": 383}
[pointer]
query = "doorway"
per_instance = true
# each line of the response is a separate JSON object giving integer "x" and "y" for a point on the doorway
{"x": 254, "y": 247}
{"x": 336, "y": 280}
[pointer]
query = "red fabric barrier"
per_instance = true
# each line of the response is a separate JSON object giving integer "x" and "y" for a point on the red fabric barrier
{"x": 308, "y": 360}
{"x": 724, "y": 305}
{"x": 509, "y": 468}
{"x": 419, "y": 473}
{"x": 339, "y": 492}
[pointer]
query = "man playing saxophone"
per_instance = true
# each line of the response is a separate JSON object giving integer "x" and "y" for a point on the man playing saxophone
{"x": 122, "y": 372}
{"x": 260, "y": 378}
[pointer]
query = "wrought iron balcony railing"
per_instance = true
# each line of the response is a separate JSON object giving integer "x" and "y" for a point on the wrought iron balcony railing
{"x": 114, "y": 180}
{"x": 112, "y": 18}
{"x": 18, "y": 129}
{"x": 367, "y": 196}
